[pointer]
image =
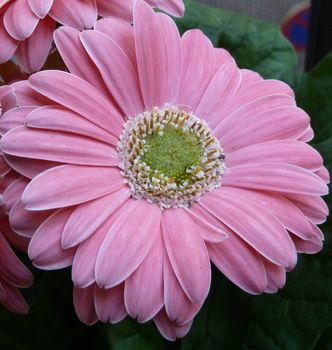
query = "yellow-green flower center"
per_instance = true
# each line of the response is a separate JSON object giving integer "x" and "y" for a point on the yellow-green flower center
{"x": 169, "y": 157}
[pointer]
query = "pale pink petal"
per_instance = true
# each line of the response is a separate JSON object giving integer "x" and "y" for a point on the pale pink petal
{"x": 173, "y": 7}
{"x": 29, "y": 167}
{"x": 187, "y": 253}
{"x": 62, "y": 186}
{"x": 116, "y": 69}
{"x": 79, "y": 96}
{"x": 144, "y": 292}
{"x": 179, "y": 308}
{"x": 13, "y": 118}
{"x": 312, "y": 206}
{"x": 308, "y": 135}
{"x": 122, "y": 33}
{"x": 84, "y": 304}
{"x": 78, "y": 62}
{"x": 208, "y": 231}
{"x": 312, "y": 246}
{"x": 221, "y": 89}
{"x": 283, "y": 123}
{"x": 222, "y": 56}
{"x": 7, "y": 98}
{"x": 197, "y": 68}
{"x": 276, "y": 277}
{"x": 75, "y": 13}
{"x": 25, "y": 222}
{"x": 324, "y": 174}
{"x": 253, "y": 223}
{"x": 61, "y": 119}
{"x": 83, "y": 271}
{"x": 279, "y": 177}
{"x": 8, "y": 44}
{"x": 88, "y": 217}
{"x": 40, "y": 7}
{"x": 109, "y": 304}
{"x": 58, "y": 147}
{"x": 19, "y": 20}
{"x": 32, "y": 53}
{"x": 120, "y": 9}
{"x": 279, "y": 151}
{"x": 169, "y": 329}
{"x": 45, "y": 246}
{"x": 158, "y": 51}
{"x": 249, "y": 77}
{"x": 127, "y": 243}
{"x": 288, "y": 214}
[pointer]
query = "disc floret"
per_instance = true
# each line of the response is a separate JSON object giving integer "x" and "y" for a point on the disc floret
{"x": 170, "y": 157}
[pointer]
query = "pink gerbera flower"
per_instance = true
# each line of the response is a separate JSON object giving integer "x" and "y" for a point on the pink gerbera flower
{"x": 155, "y": 155}
{"x": 13, "y": 274}
{"x": 26, "y": 26}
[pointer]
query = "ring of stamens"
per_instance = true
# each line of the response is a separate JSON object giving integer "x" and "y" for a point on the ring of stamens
{"x": 170, "y": 157}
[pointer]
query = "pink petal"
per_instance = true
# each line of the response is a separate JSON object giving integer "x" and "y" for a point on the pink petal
{"x": 169, "y": 329}
{"x": 7, "y": 98}
{"x": 173, "y": 7}
{"x": 207, "y": 231}
{"x": 127, "y": 243}
{"x": 25, "y": 222}
{"x": 32, "y": 53}
{"x": 254, "y": 127}
{"x": 79, "y": 96}
{"x": 12, "y": 269}
{"x": 62, "y": 186}
{"x": 83, "y": 272}
{"x": 279, "y": 151}
{"x": 253, "y": 223}
{"x": 285, "y": 211}
{"x": 14, "y": 192}
{"x": 58, "y": 147}
{"x": 45, "y": 246}
{"x": 8, "y": 44}
{"x": 197, "y": 66}
{"x": 76, "y": 13}
{"x": 179, "y": 308}
{"x": 158, "y": 55}
{"x": 308, "y": 135}
{"x": 279, "y": 177}
{"x": 220, "y": 90}
{"x": 84, "y": 304}
{"x": 88, "y": 217}
{"x": 120, "y": 9}
{"x": 187, "y": 253}
{"x": 109, "y": 304}
{"x": 313, "y": 207}
{"x": 120, "y": 32}
{"x": 144, "y": 292}
{"x": 249, "y": 77}
{"x": 324, "y": 174}
{"x": 26, "y": 96}
{"x": 116, "y": 69}
{"x": 19, "y": 20}
{"x": 40, "y": 7}
{"x": 78, "y": 62}
{"x": 14, "y": 300}
{"x": 61, "y": 119}
{"x": 13, "y": 118}
{"x": 29, "y": 167}
{"x": 276, "y": 277}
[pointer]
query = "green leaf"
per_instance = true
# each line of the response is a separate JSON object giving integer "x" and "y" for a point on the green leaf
{"x": 254, "y": 44}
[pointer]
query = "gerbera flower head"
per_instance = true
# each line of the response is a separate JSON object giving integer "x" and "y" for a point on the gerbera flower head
{"x": 27, "y": 26}
{"x": 13, "y": 274}
{"x": 155, "y": 155}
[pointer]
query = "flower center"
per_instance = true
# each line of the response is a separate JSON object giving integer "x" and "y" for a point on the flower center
{"x": 170, "y": 157}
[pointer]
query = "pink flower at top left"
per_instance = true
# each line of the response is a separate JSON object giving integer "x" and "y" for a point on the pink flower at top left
{"x": 26, "y": 26}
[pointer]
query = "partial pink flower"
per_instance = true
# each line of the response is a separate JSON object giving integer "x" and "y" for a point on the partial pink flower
{"x": 13, "y": 274}
{"x": 27, "y": 26}
{"x": 155, "y": 155}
